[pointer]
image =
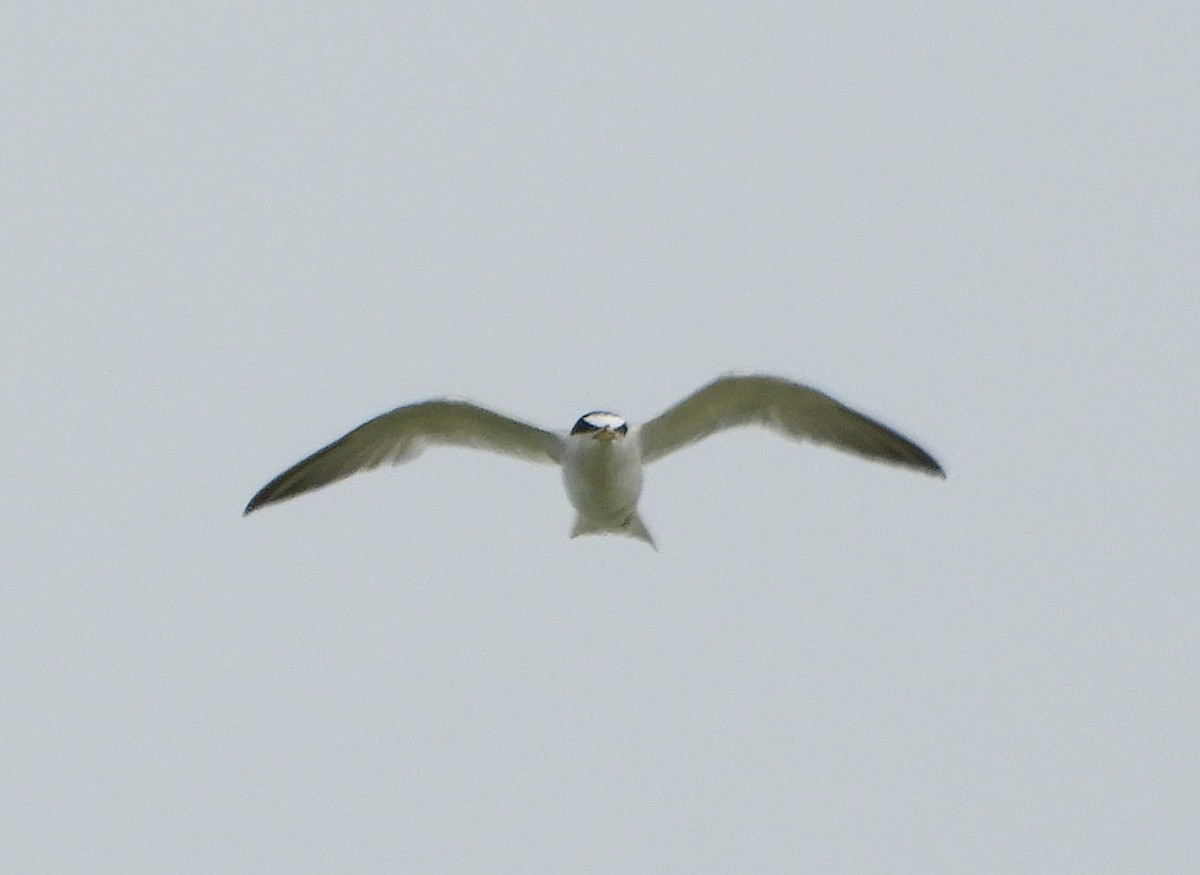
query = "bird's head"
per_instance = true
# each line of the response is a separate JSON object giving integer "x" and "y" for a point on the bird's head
{"x": 600, "y": 425}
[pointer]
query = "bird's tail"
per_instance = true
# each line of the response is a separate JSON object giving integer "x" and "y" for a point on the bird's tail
{"x": 632, "y": 527}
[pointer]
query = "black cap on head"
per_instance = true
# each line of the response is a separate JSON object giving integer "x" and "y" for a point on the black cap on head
{"x": 597, "y": 420}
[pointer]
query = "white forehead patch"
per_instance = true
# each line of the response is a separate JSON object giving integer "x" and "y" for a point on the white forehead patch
{"x": 604, "y": 420}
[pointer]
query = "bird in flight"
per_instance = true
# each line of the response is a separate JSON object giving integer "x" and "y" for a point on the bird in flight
{"x": 603, "y": 455}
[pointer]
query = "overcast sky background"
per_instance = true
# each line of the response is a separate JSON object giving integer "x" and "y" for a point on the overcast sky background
{"x": 230, "y": 234}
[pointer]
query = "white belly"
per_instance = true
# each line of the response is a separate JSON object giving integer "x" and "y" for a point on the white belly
{"x": 603, "y": 478}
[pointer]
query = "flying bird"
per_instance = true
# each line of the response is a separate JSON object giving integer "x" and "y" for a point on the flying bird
{"x": 603, "y": 455}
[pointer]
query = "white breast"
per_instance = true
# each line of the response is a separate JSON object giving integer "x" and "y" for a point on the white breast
{"x": 603, "y": 478}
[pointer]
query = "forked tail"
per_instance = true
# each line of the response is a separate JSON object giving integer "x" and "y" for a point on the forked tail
{"x": 633, "y": 527}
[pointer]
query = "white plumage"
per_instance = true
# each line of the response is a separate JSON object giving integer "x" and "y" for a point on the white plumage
{"x": 602, "y": 456}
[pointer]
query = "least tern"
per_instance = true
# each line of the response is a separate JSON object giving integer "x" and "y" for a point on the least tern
{"x": 603, "y": 455}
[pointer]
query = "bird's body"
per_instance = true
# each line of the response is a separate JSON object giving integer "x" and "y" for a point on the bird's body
{"x": 603, "y": 478}
{"x": 603, "y": 456}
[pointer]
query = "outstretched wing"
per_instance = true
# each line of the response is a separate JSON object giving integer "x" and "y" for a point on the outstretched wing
{"x": 398, "y": 436}
{"x": 791, "y": 409}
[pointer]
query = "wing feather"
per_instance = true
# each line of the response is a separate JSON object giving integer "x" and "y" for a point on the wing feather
{"x": 796, "y": 411}
{"x": 400, "y": 435}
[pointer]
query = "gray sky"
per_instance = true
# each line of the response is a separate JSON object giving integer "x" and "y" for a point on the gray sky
{"x": 233, "y": 233}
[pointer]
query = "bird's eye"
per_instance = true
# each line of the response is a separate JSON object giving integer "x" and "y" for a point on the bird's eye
{"x": 623, "y": 428}
{"x": 582, "y": 426}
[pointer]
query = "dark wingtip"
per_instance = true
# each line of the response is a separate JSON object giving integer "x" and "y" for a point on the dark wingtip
{"x": 930, "y": 465}
{"x": 916, "y": 457}
{"x": 255, "y": 503}
{"x": 273, "y": 491}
